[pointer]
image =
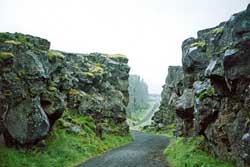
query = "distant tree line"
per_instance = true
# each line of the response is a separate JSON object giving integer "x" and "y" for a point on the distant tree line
{"x": 138, "y": 94}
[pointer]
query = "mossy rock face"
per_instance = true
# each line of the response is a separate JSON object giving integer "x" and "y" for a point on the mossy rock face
{"x": 200, "y": 44}
{"x": 53, "y": 103}
{"x": 118, "y": 57}
{"x": 6, "y": 56}
{"x": 12, "y": 42}
{"x": 218, "y": 30}
{"x": 216, "y": 67}
{"x": 55, "y": 54}
{"x": 208, "y": 92}
{"x": 27, "y": 122}
{"x": 166, "y": 114}
{"x": 49, "y": 81}
{"x": 203, "y": 90}
{"x": 7, "y": 93}
{"x": 97, "y": 69}
{"x": 25, "y": 40}
{"x": 89, "y": 74}
{"x": 52, "y": 88}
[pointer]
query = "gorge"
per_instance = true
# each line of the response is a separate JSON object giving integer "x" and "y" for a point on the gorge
{"x": 47, "y": 95}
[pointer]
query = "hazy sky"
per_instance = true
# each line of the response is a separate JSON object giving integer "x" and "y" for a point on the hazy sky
{"x": 149, "y": 32}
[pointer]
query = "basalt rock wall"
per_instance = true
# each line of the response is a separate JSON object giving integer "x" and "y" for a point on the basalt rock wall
{"x": 215, "y": 101}
{"x": 172, "y": 89}
{"x": 38, "y": 84}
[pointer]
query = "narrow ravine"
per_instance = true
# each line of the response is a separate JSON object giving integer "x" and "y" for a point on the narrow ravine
{"x": 145, "y": 151}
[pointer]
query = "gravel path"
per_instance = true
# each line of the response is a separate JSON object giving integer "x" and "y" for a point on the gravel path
{"x": 145, "y": 151}
{"x": 149, "y": 115}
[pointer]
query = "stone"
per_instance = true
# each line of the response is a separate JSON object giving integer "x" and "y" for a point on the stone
{"x": 246, "y": 137}
{"x": 53, "y": 104}
{"x": 171, "y": 91}
{"x": 27, "y": 122}
{"x": 210, "y": 68}
{"x": 185, "y": 104}
{"x": 38, "y": 85}
{"x": 215, "y": 100}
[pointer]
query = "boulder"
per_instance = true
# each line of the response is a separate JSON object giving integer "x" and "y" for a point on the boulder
{"x": 27, "y": 122}
{"x": 185, "y": 104}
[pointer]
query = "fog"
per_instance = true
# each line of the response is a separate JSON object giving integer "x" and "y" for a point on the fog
{"x": 149, "y": 32}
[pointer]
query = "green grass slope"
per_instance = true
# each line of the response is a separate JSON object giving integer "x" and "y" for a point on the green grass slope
{"x": 63, "y": 147}
{"x": 186, "y": 153}
{"x": 183, "y": 152}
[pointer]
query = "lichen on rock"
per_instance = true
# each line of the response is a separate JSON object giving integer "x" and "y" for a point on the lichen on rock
{"x": 218, "y": 72}
{"x": 38, "y": 85}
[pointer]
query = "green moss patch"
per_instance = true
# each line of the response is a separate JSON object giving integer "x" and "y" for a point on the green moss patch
{"x": 24, "y": 40}
{"x": 73, "y": 92}
{"x": 55, "y": 54}
{"x": 116, "y": 56}
{"x": 12, "y": 42}
{"x": 206, "y": 93}
{"x": 21, "y": 73}
{"x": 218, "y": 30}
{"x": 52, "y": 88}
{"x": 97, "y": 69}
{"x": 89, "y": 74}
{"x": 7, "y": 93}
{"x": 200, "y": 44}
{"x": 6, "y": 55}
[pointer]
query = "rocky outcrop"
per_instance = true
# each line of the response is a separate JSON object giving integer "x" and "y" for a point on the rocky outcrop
{"x": 172, "y": 89}
{"x": 215, "y": 100}
{"x": 37, "y": 85}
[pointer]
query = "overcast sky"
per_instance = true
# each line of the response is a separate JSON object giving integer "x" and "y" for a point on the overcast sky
{"x": 149, "y": 32}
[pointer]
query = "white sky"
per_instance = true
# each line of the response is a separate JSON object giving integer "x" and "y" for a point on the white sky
{"x": 149, "y": 32}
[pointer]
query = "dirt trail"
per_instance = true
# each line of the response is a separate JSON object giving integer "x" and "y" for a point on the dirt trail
{"x": 145, "y": 151}
{"x": 149, "y": 115}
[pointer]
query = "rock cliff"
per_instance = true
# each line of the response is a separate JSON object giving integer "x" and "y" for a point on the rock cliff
{"x": 37, "y": 85}
{"x": 215, "y": 101}
{"x": 172, "y": 89}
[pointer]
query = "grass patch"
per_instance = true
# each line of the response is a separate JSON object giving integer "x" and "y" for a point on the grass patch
{"x": 183, "y": 152}
{"x": 167, "y": 130}
{"x": 187, "y": 153}
{"x": 64, "y": 148}
{"x": 139, "y": 114}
